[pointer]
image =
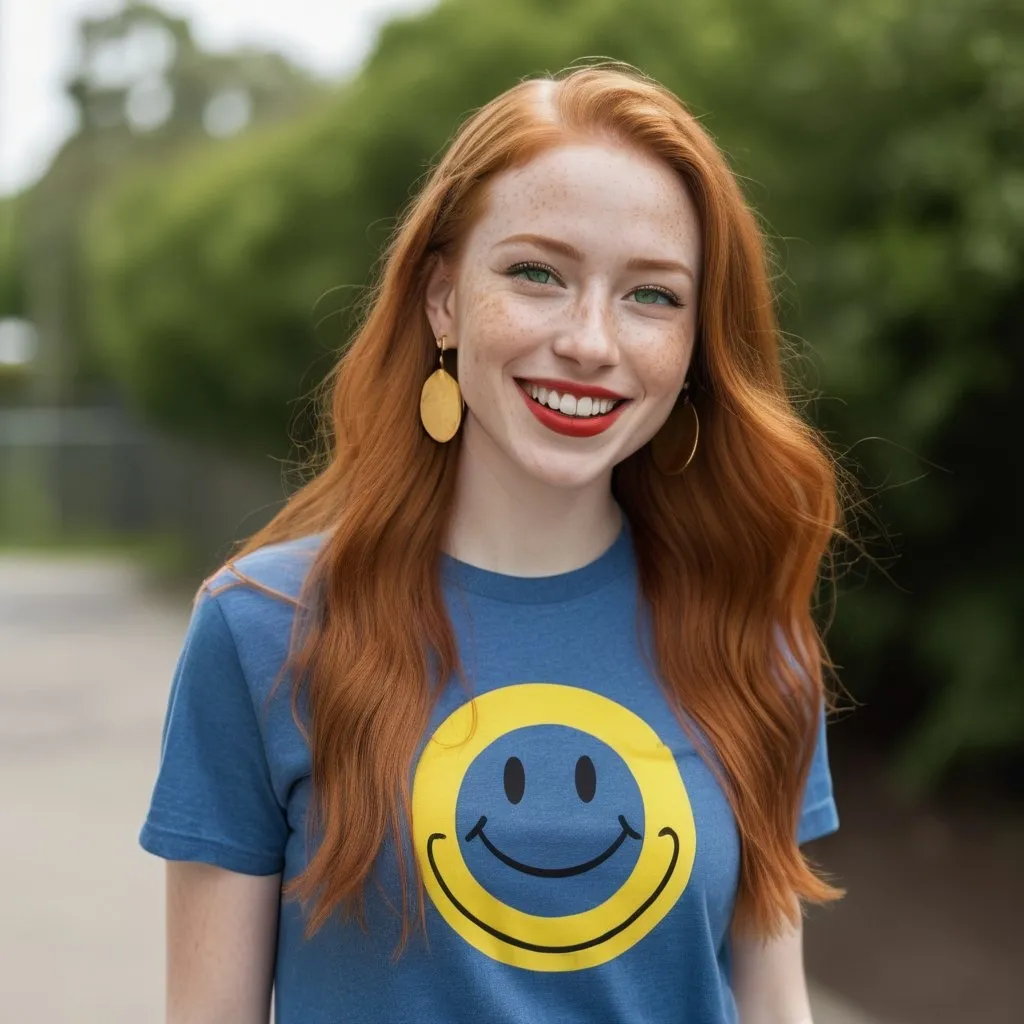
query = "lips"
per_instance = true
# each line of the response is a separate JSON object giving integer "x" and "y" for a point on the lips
{"x": 571, "y": 425}
{"x": 569, "y": 387}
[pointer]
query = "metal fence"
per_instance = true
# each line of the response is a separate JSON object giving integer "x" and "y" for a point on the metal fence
{"x": 94, "y": 474}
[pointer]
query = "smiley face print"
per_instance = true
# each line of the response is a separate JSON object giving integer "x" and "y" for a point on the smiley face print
{"x": 551, "y": 826}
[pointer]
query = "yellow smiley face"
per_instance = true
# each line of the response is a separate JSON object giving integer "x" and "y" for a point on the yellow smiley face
{"x": 512, "y": 902}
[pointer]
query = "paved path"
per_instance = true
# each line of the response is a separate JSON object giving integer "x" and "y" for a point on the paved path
{"x": 85, "y": 661}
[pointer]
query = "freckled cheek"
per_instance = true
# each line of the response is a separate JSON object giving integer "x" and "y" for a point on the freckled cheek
{"x": 499, "y": 326}
{"x": 661, "y": 364}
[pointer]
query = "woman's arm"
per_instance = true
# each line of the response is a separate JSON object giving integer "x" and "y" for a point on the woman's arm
{"x": 221, "y": 943}
{"x": 769, "y": 981}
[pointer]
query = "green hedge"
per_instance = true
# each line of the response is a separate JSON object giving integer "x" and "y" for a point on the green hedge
{"x": 883, "y": 145}
{"x": 12, "y": 295}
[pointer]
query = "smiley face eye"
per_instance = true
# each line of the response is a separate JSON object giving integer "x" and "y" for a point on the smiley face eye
{"x": 586, "y": 779}
{"x": 515, "y": 780}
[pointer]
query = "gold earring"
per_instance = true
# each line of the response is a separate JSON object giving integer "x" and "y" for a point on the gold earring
{"x": 674, "y": 446}
{"x": 441, "y": 401}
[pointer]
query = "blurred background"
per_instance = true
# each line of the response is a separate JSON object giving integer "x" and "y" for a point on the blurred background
{"x": 192, "y": 199}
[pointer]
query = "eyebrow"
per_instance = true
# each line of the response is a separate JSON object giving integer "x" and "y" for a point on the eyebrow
{"x": 572, "y": 253}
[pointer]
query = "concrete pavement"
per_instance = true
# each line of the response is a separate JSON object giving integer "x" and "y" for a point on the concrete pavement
{"x": 86, "y": 655}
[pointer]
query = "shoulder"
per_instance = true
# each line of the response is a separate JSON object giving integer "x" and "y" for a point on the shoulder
{"x": 262, "y": 588}
{"x": 280, "y": 569}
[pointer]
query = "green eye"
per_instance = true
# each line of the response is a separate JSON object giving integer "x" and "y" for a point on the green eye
{"x": 654, "y": 296}
{"x": 538, "y": 275}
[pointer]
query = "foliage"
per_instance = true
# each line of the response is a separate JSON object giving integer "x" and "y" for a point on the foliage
{"x": 883, "y": 144}
{"x": 12, "y": 294}
{"x": 143, "y": 91}
{"x": 11, "y": 285}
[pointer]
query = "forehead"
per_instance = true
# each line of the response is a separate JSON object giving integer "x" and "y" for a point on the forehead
{"x": 593, "y": 195}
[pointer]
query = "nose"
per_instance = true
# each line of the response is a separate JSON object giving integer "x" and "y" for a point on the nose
{"x": 589, "y": 338}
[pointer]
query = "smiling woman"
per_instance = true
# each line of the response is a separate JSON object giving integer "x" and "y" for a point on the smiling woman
{"x": 524, "y": 685}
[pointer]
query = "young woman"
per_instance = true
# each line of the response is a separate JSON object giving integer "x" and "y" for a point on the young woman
{"x": 515, "y": 712}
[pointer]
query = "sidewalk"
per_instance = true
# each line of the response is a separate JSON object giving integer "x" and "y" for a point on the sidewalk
{"x": 85, "y": 661}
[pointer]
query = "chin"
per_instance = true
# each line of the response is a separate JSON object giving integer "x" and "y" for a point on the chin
{"x": 569, "y": 473}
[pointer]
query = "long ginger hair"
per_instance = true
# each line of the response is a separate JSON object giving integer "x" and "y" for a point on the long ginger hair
{"x": 729, "y": 554}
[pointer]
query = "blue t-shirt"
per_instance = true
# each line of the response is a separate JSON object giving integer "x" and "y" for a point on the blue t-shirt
{"x": 579, "y": 857}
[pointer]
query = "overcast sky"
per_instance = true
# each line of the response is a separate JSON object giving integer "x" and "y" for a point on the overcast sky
{"x": 37, "y": 41}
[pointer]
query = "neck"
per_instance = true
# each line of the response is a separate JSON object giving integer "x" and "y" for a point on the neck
{"x": 506, "y": 521}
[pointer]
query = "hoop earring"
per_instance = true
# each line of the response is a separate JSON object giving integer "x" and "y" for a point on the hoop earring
{"x": 674, "y": 446}
{"x": 441, "y": 401}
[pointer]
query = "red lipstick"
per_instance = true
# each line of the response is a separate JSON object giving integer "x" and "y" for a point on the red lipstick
{"x": 564, "y": 387}
{"x": 572, "y": 426}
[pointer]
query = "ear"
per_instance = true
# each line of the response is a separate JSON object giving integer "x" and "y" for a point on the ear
{"x": 440, "y": 301}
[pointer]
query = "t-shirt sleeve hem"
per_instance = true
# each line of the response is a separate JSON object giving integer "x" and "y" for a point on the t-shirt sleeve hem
{"x": 818, "y": 821}
{"x": 177, "y": 846}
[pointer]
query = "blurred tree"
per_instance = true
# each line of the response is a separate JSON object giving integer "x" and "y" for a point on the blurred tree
{"x": 143, "y": 91}
{"x": 12, "y": 303}
{"x": 142, "y": 79}
{"x": 883, "y": 141}
{"x": 12, "y": 295}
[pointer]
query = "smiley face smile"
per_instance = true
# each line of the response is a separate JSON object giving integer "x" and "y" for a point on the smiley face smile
{"x": 573, "y": 947}
{"x": 529, "y": 869}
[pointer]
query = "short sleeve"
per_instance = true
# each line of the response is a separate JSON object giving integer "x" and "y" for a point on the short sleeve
{"x": 818, "y": 815}
{"x": 213, "y": 800}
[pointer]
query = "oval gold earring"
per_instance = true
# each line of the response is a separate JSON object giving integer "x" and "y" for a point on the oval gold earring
{"x": 675, "y": 444}
{"x": 441, "y": 401}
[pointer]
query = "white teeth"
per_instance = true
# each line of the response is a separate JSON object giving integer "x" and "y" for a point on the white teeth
{"x": 570, "y": 405}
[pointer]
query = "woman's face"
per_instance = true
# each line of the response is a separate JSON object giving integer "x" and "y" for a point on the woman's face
{"x": 573, "y": 309}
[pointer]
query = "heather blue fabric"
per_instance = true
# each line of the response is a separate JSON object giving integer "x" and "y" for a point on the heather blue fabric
{"x": 233, "y": 790}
